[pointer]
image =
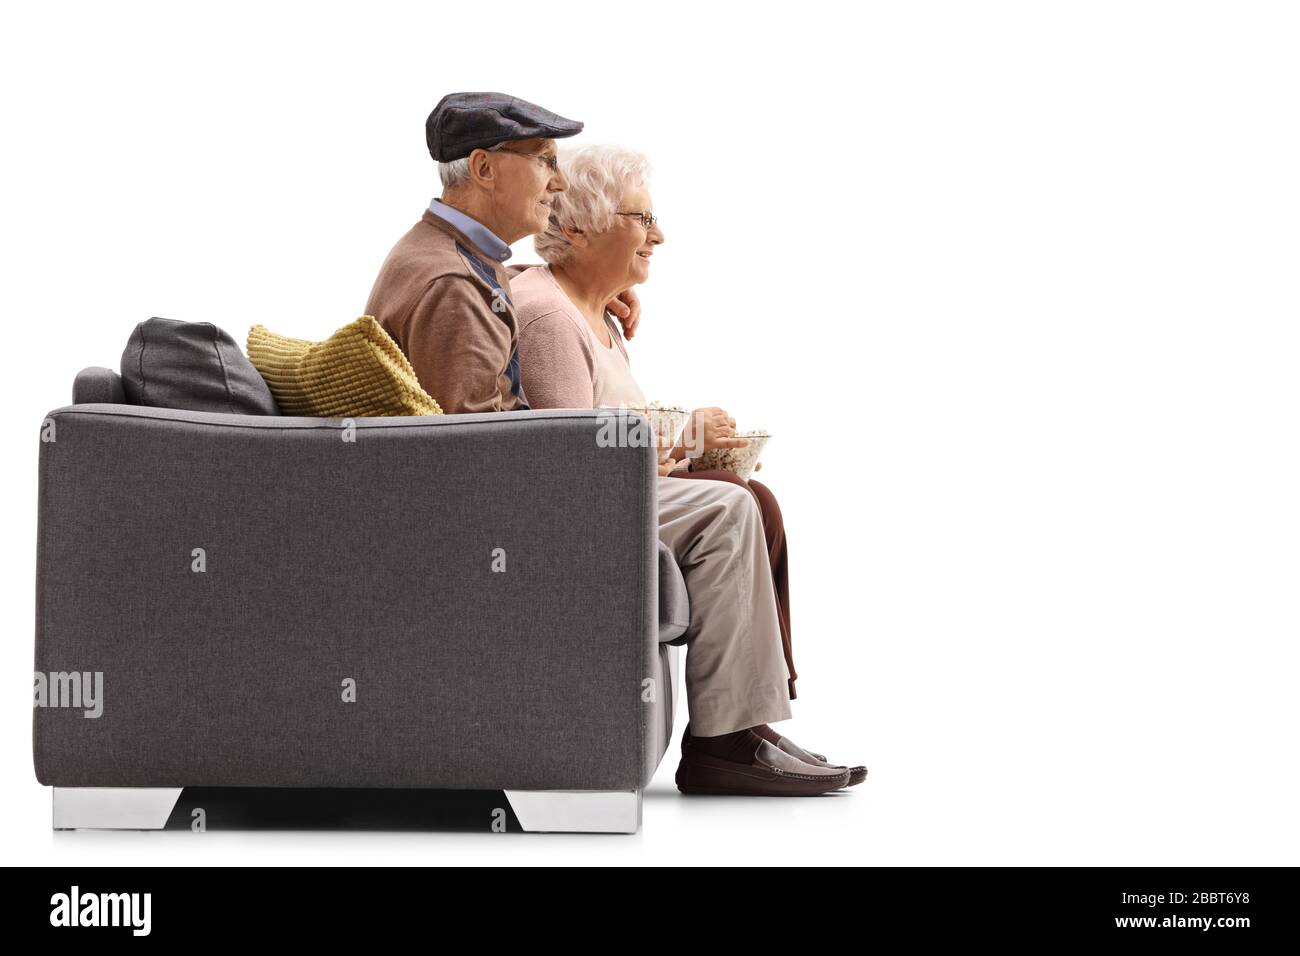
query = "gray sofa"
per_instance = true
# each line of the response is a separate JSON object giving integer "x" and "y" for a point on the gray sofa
{"x": 452, "y": 621}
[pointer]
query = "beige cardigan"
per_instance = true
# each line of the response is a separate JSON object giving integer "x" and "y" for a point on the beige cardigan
{"x": 436, "y": 295}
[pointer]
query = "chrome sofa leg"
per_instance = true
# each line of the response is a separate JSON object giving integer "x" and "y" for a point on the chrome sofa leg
{"x": 113, "y": 808}
{"x": 577, "y": 811}
{"x": 150, "y": 808}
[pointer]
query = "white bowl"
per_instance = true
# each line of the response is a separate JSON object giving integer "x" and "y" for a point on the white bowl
{"x": 667, "y": 422}
{"x": 738, "y": 461}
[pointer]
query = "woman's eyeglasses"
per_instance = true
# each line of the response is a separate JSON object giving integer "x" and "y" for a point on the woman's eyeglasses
{"x": 647, "y": 220}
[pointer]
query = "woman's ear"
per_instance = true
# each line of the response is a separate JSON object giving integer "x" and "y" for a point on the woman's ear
{"x": 575, "y": 237}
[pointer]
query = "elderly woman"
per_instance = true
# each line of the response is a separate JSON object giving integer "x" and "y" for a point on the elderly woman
{"x": 601, "y": 236}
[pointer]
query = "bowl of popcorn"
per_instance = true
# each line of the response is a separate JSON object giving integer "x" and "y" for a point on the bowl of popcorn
{"x": 738, "y": 461}
{"x": 667, "y": 422}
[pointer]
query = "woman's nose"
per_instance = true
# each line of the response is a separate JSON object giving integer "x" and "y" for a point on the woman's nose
{"x": 655, "y": 235}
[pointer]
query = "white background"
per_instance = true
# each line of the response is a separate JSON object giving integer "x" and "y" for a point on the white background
{"x": 1013, "y": 284}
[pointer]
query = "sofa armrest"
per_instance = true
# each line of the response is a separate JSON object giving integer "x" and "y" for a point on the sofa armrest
{"x": 97, "y": 385}
{"x": 483, "y": 586}
{"x": 674, "y": 601}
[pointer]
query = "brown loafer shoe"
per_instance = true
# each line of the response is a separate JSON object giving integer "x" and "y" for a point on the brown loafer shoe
{"x": 773, "y": 773}
{"x": 856, "y": 774}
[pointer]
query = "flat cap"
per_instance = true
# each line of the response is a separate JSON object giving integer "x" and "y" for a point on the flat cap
{"x": 464, "y": 122}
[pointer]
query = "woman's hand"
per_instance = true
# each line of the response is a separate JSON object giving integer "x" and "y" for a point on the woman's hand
{"x": 627, "y": 309}
{"x": 666, "y": 466}
{"x": 718, "y": 431}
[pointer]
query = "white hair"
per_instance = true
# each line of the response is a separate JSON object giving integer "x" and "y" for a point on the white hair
{"x": 454, "y": 173}
{"x": 599, "y": 177}
{"x": 457, "y": 171}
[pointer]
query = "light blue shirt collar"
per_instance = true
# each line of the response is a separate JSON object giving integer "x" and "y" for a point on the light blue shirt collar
{"x": 475, "y": 231}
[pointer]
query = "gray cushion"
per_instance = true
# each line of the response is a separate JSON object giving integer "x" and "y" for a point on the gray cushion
{"x": 192, "y": 366}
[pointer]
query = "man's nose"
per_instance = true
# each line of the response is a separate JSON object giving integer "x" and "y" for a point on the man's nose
{"x": 558, "y": 182}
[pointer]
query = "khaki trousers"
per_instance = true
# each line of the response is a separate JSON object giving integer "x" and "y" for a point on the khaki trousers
{"x": 736, "y": 675}
{"x": 777, "y": 551}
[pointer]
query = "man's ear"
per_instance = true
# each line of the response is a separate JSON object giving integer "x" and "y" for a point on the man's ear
{"x": 482, "y": 168}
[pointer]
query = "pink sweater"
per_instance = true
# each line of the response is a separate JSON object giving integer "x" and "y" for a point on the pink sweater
{"x": 559, "y": 365}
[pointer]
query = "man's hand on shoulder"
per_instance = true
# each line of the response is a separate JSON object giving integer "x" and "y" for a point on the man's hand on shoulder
{"x": 626, "y": 307}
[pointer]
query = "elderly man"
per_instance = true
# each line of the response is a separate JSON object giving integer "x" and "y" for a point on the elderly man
{"x": 443, "y": 294}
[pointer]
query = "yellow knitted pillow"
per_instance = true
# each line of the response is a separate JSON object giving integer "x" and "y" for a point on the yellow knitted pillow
{"x": 357, "y": 372}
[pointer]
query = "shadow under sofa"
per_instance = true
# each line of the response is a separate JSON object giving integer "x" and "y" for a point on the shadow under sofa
{"x": 465, "y": 619}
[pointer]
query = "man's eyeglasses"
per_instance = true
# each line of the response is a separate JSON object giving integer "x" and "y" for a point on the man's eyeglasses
{"x": 647, "y": 220}
{"x": 550, "y": 162}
